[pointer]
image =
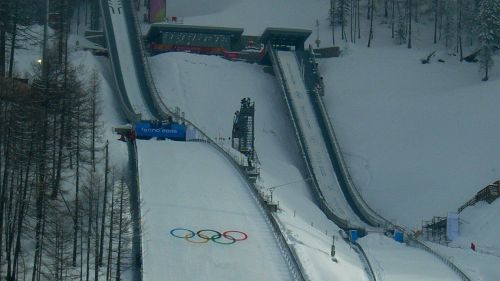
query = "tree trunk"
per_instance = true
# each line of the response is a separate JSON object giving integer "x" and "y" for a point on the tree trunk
{"x": 2, "y": 51}
{"x": 352, "y": 28}
{"x": 332, "y": 21}
{"x": 459, "y": 31}
{"x": 77, "y": 186}
{"x": 357, "y": 19}
{"x": 103, "y": 222}
{"x": 120, "y": 231}
{"x": 436, "y": 5}
{"x": 370, "y": 36}
{"x": 5, "y": 181}
{"x": 393, "y": 18}
{"x": 89, "y": 230}
{"x": 13, "y": 40}
{"x": 409, "y": 23}
{"x": 110, "y": 244}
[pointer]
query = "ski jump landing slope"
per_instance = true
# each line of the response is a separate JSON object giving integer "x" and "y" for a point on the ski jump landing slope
{"x": 313, "y": 140}
{"x": 126, "y": 57}
{"x": 191, "y": 186}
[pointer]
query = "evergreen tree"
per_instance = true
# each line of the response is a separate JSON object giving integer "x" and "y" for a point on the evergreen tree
{"x": 488, "y": 28}
{"x": 343, "y": 10}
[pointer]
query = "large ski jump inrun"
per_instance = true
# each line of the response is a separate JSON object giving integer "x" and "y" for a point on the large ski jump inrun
{"x": 191, "y": 197}
{"x": 125, "y": 56}
{"x": 313, "y": 139}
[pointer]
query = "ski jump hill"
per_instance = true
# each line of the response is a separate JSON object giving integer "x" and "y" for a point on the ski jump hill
{"x": 203, "y": 217}
{"x": 199, "y": 223}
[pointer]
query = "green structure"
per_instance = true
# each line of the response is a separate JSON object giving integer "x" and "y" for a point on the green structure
{"x": 195, "y": 36}
{"x": 285, "y": 37}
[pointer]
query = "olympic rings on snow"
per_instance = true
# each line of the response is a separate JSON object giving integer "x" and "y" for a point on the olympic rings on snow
{"x": 203, "y": 236}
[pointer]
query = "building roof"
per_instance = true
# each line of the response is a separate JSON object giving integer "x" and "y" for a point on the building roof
{"x": 158, "y": 27}
{"x": 292, "y": 34}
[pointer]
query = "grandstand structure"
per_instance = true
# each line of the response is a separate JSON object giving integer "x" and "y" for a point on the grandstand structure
{"x": 222, "y": 41}
{"x": 190, "y": 38}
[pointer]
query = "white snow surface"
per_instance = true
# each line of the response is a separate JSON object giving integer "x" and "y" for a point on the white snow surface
{"x": 252, "y": 15}
{"x": 192, "y": 186}
{"x": 394, "y": 261}
{"x": 126, "y": 61}
{"x": 476, "y": 226}
{"x": 209, "y": 89}
{"x": 420, "y": 140}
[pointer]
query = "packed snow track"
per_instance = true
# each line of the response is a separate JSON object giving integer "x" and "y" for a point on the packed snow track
{"x": 312, "y": 139}
{"x": 126, "y": 63}
{"x": 187, "y": 201}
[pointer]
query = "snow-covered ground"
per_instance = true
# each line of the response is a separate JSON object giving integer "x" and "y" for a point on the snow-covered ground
{"x": 393, "y": 261}
{"x": 205, "y": 85}
{"x": 209, "y": 90}
{"x": 191, "y": 186}
{"x": 420, "y": 140}
{"x": 252, "y": 15}
{"x": 477, "y": 226}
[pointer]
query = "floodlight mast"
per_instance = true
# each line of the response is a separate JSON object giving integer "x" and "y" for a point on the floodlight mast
{"x": 45, "y": 42}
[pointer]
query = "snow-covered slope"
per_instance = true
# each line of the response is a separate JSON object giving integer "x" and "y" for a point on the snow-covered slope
{"x": 209, "y": 90}
{"x": 253, "y": 15}
{"x": 191, "y": 186}
{"x": 393, "y": 261}
{"x": 212, "y": 87}
{"x": 420, "y": 140}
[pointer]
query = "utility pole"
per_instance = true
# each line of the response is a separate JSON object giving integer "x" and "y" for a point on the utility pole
{"x": 317, "y": 34}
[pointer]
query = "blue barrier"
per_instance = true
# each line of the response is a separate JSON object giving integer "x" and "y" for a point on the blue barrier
{"x": 399, "y": 236}
{"x": 148, "y": 130}
{"x": 353, "y": 235}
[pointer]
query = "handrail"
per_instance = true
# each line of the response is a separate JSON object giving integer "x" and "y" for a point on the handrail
{"x": 165, "y": 112}
{"x": 365, "y": 259}
{"x": 458, "y": 271}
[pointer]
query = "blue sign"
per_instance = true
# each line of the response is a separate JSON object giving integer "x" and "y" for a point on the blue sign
{"x": 353, "y": 235}
{"x": 148, "y": 130}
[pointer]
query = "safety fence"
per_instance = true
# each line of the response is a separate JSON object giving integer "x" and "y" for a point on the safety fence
{"x": 419, "y": 244}
{"x": 365, "y": 260}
